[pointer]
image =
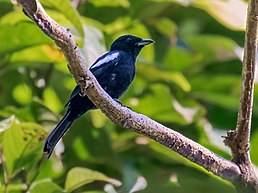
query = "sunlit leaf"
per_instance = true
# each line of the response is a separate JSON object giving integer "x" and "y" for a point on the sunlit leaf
{"x": 13, "y": 18}
{"x": 46, "y": 187}
{"x": 51, "y": 100}
{"x": 18, "y": 36}
{"x": 166, "y": 27}
{"x": 22, "y": 93}
{"x": 21, "y": 142}
{"x": 98, "y": 119}
{"x": 13, "y": 188}
{"x": 80, "y": 149}
{"x": 231, "y": 13}
{"x": 42, "y": 54}
{"x": 118, "y": 25}
{"x": 78, "y": 177}
{"x": 123, "y": 3}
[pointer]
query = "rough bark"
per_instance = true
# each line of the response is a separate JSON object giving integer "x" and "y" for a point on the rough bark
{"x": 239, "y": 139}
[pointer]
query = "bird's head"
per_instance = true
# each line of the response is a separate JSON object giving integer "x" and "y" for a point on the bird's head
{"x": 130, "y": 44}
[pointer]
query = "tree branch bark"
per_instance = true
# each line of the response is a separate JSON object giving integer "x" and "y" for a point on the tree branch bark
{"x": 125, "y": 117}
{"x": 239, "y": 139}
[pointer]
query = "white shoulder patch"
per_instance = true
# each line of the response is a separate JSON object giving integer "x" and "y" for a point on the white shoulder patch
{"x": 106, "y": 59}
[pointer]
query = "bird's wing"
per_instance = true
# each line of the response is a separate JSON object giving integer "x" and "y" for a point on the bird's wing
{"x": 97, "y": 68}
{"x": 106, "y": 61}
{"x": 104, "y": 68}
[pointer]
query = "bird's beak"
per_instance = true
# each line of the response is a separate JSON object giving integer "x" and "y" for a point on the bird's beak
{"x": 144, "y": 42}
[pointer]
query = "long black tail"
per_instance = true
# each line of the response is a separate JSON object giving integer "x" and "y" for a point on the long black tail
{"x": 57, "y": 134}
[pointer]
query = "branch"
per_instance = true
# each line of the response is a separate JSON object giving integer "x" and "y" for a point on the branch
{"x": 121, "y": 115}
{"x": 239, "y": 140}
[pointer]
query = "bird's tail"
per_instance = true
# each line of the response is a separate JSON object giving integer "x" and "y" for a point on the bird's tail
{"x": 57, "y": 134}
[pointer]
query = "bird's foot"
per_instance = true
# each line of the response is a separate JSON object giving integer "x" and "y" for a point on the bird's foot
{"x": 119, "y": 102}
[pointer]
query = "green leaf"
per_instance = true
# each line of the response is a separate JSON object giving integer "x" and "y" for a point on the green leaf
{"x": 13, "y": 145}
{"x": 22, "y": 93}
{"x": 20, "y": 36}
{"x": 51, "y": 100}
{"x": 153, "y": 74}
{"x": 166, "y": 27}
{"x": 13, "y": 188}
{"x": 78, "y": 177}
{"x": 254, "y": 147}
{"x": 164, "y": 111}
{"x": 93, "y": 45}
{"x": 41, "y": 54}
{"x": 66, "y": 8}
{"x": 148, "y": 9}
{"x": 178, "y": 60}
{"x": 45, "y": 186}
{"x": 222, "y": 48}
{"x": 21, "y": 146}
{"x": 218, "y": 83}
{"x": 98, "y": 119}
{"x": 222, "y": 100}
{"x": 114, "y": 3}
{"x": 13, "y": 18}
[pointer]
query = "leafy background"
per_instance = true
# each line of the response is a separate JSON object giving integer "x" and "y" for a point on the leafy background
{"x": 189, "y": 81}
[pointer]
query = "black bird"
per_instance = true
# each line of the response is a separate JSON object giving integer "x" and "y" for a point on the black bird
{"x": 114, "y": 71}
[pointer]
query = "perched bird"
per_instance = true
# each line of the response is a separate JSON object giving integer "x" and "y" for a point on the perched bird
{"x": 114, "y": 71}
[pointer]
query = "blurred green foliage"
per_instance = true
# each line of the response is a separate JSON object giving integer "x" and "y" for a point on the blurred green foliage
{"x": 189, "y": 81}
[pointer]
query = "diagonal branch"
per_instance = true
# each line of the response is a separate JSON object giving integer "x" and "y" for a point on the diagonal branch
{"x": 121, "y": 115}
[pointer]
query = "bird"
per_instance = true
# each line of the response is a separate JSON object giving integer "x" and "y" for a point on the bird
{"x": 114, "y": 71}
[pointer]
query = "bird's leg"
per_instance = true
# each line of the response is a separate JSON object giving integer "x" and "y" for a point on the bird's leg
{"x": 119, "y": 102}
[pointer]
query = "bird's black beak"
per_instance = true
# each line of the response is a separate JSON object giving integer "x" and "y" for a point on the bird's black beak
{"x": 144, "y": 42}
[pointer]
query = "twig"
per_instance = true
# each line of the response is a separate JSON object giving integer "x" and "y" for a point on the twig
{"x": 239, "y": 140}
{"x": 121, "y": 115}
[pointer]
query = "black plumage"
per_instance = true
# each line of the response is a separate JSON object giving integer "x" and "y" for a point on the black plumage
{"x": 114, "y": 71}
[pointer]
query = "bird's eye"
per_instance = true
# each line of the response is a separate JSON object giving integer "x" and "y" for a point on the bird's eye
{"x": 129, "y": 40}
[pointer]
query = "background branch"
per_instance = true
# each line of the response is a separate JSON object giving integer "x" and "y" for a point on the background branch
{"x": 239, "y": 140}
{"x": 139, "y": 123}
